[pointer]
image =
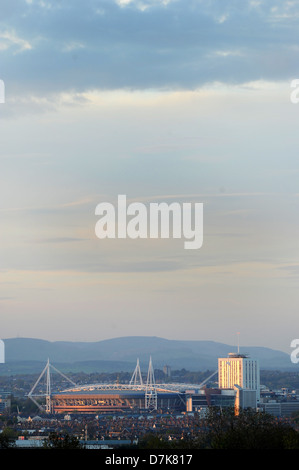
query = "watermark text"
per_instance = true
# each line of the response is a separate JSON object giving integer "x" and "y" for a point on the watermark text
{"x": 162, "y": 220}
{"x": 295, "y": 352}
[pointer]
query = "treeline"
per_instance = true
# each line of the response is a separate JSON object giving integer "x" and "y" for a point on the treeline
{"x": 223, "y": 429}
{"x": 276, "y": 379}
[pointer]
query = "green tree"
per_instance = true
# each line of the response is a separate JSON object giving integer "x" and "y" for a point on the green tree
{"x": 248, "y": 430}
{"x": 7, "y": 438}
{"x": 154, "y": 441}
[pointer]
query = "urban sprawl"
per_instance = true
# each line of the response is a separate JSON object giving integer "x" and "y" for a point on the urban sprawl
{"x": 132, "y": 412}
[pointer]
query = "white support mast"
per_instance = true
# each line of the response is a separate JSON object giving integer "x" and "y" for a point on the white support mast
{"x": 47, "y": 394}
{"x": 48, "y": 389}
{"x": 151, "y": 398}
{"x": 136, "y": 377}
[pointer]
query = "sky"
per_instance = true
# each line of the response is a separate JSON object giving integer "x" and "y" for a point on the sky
{"x": 161, "y": 101}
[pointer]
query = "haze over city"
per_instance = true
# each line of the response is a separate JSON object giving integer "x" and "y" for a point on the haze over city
{"x": 161, "y": 101}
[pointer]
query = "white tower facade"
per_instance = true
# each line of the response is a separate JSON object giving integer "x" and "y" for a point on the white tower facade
{"x": 242, "y": 373}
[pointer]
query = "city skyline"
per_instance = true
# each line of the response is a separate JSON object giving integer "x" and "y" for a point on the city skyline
{"x": 162, "y": 101}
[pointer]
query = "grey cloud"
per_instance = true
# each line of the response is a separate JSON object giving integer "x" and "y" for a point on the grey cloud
{"x": 178, "y": 45}
{"x": 60, "y": 240}
{"x": 291, "y": 270}
{"x": 103, "y": 266}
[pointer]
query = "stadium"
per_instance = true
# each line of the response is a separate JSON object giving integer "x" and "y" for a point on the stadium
{"x": 136, "y": 396}
{"x": 113, "y": 401}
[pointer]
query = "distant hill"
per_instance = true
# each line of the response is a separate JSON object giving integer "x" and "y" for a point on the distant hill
{"x": 120, "y": 354}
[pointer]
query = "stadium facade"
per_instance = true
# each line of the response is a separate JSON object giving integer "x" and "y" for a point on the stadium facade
{"x": 113, "y": 401}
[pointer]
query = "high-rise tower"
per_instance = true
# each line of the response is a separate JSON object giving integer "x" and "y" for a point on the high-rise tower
{"x": 242, "y": 373}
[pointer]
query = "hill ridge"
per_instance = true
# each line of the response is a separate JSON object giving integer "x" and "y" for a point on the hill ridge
{"x": 189, "y": 354}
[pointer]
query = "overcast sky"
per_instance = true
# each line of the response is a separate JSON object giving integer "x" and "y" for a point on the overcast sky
{"x": 171, "y": 101}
